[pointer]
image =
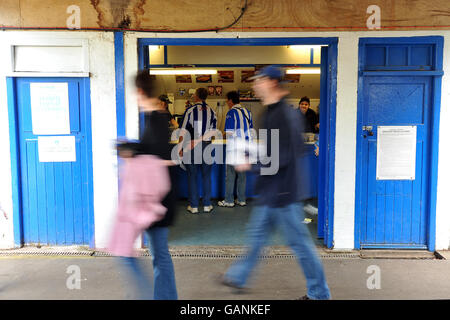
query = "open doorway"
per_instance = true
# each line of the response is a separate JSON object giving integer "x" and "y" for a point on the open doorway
{"x": 234, "y": 60}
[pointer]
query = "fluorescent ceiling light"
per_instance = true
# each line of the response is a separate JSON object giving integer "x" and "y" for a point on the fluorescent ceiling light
{"x": 182, "y": 71}
{"x": 303, "y": 71}
{"x": 304, "y": 47}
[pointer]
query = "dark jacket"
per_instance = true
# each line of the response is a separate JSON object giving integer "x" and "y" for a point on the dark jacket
{"x": 155, "y": 141}
{"x": 310, "y": 120}
{"x": 282, "y": 188}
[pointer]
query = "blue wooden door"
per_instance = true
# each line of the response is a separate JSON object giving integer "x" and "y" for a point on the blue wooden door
{"x": 394, "y": 213}
{"x": 56, "y": 197}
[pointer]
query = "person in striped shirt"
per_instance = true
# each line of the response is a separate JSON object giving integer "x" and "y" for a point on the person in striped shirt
{"x": 199, "y": 121}
{"x": 238, "y": 124}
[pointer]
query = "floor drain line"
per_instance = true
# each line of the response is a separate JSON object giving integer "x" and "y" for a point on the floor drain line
{"x": 175, "y": 255}
{"x": 46, "y": 253}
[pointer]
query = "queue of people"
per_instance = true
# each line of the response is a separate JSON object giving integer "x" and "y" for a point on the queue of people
{"x": 146, "y": 201}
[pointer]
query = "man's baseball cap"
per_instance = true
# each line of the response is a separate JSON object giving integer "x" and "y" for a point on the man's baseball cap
{"x": 272, "y": 72}
{"x": 164, "y": 98}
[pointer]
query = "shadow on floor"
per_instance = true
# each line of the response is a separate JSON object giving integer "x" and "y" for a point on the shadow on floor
{"x": 223, "y": 226}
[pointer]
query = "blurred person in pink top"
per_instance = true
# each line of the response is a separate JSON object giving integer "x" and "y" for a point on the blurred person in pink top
{"x": 153, "y": 142}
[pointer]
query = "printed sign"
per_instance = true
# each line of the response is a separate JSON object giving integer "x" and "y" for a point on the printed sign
{"x": 203, "y": 78}
{"x": 57, "y": 149}
{"x": 226, "y": 76}
{"x": 183, "y": 78}
{"x": 50, "y": 108}
{"x": 246, "y": 74}
{"x": 396, "y": 152}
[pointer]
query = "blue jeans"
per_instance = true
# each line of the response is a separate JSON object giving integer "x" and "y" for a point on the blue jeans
{"x": 193, "y": 188}
{"x": 290, "y": 219}
{"x": 139, "y": 278}
{"x": 163, "y": 271}
{"x": 230, "y": 177}
{"x": 163, "y": 287}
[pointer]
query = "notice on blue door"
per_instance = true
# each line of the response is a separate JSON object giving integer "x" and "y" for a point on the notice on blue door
{"x": 396, "y": 152}
{"x": 57, "y": 149}
{"x": 50, "y": 108}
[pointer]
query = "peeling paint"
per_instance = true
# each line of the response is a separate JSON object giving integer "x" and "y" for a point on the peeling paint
{"x": 139, "y": 12}
{"x": 100, "y": 13}
{"x": 119, "y": 9}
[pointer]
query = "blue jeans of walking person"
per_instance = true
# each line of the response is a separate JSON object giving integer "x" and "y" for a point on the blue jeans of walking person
{"x": 230, "y": 177}
{"x": 290, "y": 220}
{"x": 163, "y": 271}
{"x": 139, "y": 277}
{"x": 162, "y": 285}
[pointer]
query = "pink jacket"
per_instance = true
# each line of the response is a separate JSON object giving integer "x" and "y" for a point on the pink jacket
{"x": 144, "y": 184}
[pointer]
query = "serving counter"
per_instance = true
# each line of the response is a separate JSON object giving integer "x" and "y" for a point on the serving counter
{"x": 309, "y": 177}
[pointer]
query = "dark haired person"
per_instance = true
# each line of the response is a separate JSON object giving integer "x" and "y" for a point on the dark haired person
{"x": 165, "y": 102}
{"x": 311, "y": 118}
{"x": 155, "y": 141}
{"x": 238, "y": 124}
{"x": 198, "y": 120}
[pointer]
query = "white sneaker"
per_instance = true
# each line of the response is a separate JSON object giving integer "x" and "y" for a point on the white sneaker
{"x": 311, "y": 210}
{"x": 241, "y": 203}
{"x": 208, "y": 208}
{"x": 225, "y": 204}
{"x": 192, "y": 210}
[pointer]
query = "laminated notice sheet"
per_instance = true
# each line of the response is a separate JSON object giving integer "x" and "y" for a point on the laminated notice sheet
{"x": 50, "y": 108}
{"x": 57, "y": 149}
{"x": 396, "y": 152}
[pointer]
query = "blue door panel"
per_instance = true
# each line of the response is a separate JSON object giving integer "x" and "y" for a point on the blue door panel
{"x": 51, "y": 201}
{"x": 393, "y": 213}
{"x": 395, "y": 103}
{"x": 399, "y": 57}
{"x": 56, "y": 196}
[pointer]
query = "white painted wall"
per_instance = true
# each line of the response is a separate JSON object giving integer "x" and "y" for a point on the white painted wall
{"x": 103, "y": 113}
{"x": 101, "y": 55}
{"x": 345, "y": 162}
{"x": 6, "y": 225}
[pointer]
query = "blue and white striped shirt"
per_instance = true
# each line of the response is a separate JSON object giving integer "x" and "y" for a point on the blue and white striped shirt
{"x": 239, "y": 122}
{"x": 198, "y": 120}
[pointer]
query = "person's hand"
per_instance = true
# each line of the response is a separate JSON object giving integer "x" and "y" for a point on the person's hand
{"x": 318, "y": 126}
{"x": 169, "y": 163}
{"x": 243, "y": 167}
{"x": 316, "y": 151}
{"x": 194, "y": 143}
{"x": 125, "y": 153}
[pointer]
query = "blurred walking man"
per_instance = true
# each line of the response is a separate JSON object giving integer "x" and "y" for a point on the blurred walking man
{"x": 279, "y": 194}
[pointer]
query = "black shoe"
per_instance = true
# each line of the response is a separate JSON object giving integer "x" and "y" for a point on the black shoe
{"x": 305, "y": 297}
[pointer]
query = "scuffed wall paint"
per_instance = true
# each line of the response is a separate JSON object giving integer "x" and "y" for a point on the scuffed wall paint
{"x": 262, "y": 15}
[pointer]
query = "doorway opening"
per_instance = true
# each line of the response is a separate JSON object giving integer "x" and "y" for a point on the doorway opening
{"x": 233, "y": 62}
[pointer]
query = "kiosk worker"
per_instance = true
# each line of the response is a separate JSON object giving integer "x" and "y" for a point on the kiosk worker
{"x": 237, "y": 126}
{"x": 199, "y": 120}
{"x": 164, "y": 99}
{"x": 310, "y": 117}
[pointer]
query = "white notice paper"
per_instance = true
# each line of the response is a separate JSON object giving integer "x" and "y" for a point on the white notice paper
{"x": 50, "y": 108}
{"x": 57, "y": 149}
{"x": 396, "y": 152}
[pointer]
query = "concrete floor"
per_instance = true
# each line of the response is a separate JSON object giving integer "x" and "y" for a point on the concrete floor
{"x": 38, "y": 277}
{"x": 223, "y": 226}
